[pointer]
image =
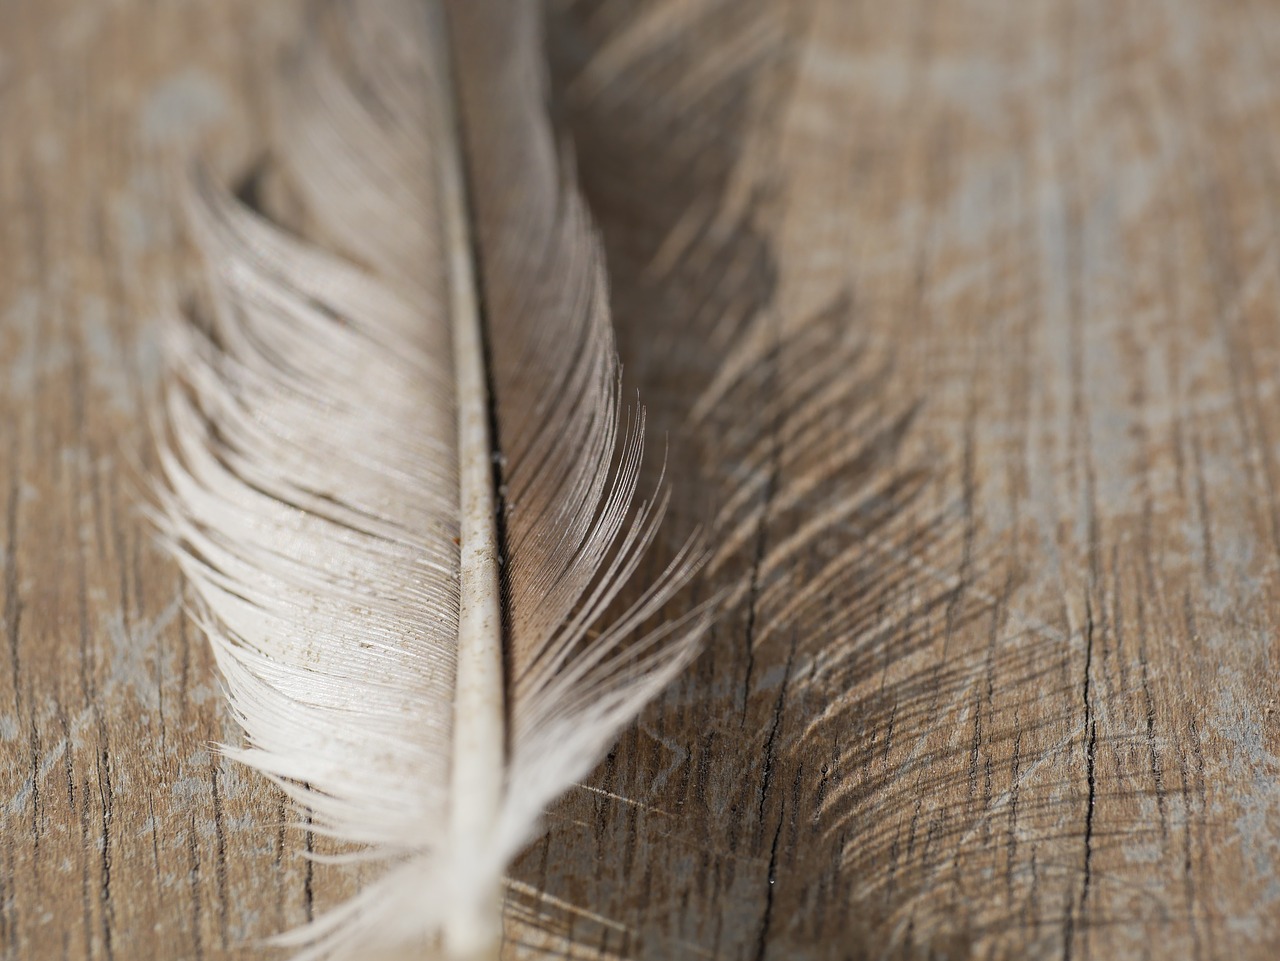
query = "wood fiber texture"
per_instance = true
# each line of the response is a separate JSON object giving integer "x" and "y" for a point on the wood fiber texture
{"x": 1015, "y": 697}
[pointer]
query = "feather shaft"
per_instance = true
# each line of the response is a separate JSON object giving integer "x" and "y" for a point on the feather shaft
{"x": 479, "y": 709}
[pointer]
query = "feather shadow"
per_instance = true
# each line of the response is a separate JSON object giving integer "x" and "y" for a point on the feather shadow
{"x": 795, "y": 794}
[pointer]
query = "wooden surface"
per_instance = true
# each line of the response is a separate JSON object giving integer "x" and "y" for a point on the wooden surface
{"x": 999, "y": 678}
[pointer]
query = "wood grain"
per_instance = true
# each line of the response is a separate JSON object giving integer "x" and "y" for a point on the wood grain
{"x": 1014, "y": 699}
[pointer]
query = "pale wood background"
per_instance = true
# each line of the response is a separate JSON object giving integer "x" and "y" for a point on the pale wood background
{"x": 1046, "y": 724}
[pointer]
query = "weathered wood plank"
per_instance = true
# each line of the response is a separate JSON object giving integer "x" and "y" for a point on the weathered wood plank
{"x": 1018, "y": 700}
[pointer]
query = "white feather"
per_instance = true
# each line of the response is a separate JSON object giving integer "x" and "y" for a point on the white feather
{"x": 329, "y": 483}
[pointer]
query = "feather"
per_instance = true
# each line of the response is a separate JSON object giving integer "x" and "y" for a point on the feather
{"x": 406, "y": 519}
